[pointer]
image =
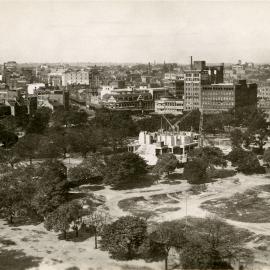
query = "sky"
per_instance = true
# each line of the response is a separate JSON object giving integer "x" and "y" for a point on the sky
{"x": 134, "y": 31}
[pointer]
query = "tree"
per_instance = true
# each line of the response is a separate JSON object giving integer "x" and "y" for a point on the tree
{"x": 166, "y": 163}
{"x": 61, "y": 138}
{"x": 62, "y": 218}
{"x": 69, "y": 118}
{"x": 211, "y": 244}
{"x": 8, "y": 138}
{"x": 53, "y": 187}
{"x": 91, "y": 170}
{"x": 84, "y": 141}
{"x": 47, "y": 148}
{"x": 195, "y": 171}
{"x": 245, "y": 161}
{"x": 266, "y": 156}
{"x": 168, "y": 234}
{"x": 98, "y": 220}
{"x": 16, "y": 192}
{"x": 39, "y": 121}
{"x": 236, "y": 156}
{"x": 27, "y": 146}
{"x": 250, "y": 164}
{"x": 124, "y": 237}
{"x": 124, "y": 168}
{"x": 213, "y": 156}
{"x": 236, "y": 137}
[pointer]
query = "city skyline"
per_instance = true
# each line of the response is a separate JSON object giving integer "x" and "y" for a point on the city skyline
{"x": 134, "y": 32}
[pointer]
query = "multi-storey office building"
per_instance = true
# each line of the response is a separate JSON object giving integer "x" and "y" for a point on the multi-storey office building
{"x": 193, "y": 82}
{"x": 225, "y": 96}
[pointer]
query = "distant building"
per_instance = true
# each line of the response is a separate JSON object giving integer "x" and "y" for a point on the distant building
{"x": 225, "y": 96}
{"x": 264, "y": 98}
{"x": 167, "y": 105}
{"x": 128, "y": 100}
{"x": 75, "y": 77}
{"x": 194, "y": 80}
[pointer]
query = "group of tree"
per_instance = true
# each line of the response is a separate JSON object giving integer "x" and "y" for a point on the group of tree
{"x": 245, "y": 161}
{"x": 206, "y": 243}
{"x": 201, "y": 162}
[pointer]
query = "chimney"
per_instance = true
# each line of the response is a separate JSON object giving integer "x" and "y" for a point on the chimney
{"x": 191, "y": 63}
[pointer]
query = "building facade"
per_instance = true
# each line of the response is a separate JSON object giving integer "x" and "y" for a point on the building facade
{"x": 72, "y": 77}
{"x": 169, "y": 106}
{"x": 221, "y": 97}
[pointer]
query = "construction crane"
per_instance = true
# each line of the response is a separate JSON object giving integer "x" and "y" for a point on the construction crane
{"x": 175, "y": 126}
{"x": 201, "y": 129}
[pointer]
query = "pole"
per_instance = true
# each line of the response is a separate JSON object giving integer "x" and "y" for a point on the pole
{"x": 186, "y": 212}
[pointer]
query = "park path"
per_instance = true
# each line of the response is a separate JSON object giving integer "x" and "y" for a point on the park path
{"x": 189, "y": 203}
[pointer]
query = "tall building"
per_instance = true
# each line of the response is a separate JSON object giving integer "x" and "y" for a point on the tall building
{"x": 193, "y": 81}
{"x": 199, "y": 75}
{"x": 225, "y": 96}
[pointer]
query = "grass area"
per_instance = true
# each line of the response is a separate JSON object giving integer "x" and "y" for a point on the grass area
{"x": 250, "y": 206}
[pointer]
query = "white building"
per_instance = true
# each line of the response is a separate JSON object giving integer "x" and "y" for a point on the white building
{"x": 150, "y": 145}
{"x": 169, "y": 106}
{"x": 75, "y": 77}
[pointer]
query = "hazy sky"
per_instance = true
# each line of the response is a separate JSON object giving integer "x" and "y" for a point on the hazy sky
{"x": 138, "y": 31}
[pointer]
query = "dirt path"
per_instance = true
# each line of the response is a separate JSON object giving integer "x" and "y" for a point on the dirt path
{"x": 191, "y": 203}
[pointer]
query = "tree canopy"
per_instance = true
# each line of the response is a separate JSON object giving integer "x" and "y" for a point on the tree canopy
{"x": 166, "y": 163}
{"x": 124, "y": 168}
{"x": 123, "y": 237}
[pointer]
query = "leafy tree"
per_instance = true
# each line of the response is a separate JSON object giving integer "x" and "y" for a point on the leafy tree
{"x": 98, "y": 220}
{"x": 124, "y": 168}
{"x": 166, "y": 163}
{"x": 53, "y": 187}
{"x": 84, "y": 141}
{"x": 250, "y": 164}
{"x": 168, "y": 234}
{"x": 91, "y": 170}
{"x": 62, "y": 138}
{"x": 245, "y": 161}
{"x": 69, "y": 118}
{"x": 236, "y": 137}
{"x": 195, "y": 171}
{"x": 8, "y": 138}
{"x": 16, "y": 192}
{"x": 213, "y": 156}
{"x": 211, "y": 243}
{"x": 39, "y": 121}
{"x": 236, "y": 156}
{"x": 124, "y": 237}
{"x": 27, "y": 146}
{"x": 266, "y": 156}
{"x": 47, "y": 148}
{"x": 62, "y": 218}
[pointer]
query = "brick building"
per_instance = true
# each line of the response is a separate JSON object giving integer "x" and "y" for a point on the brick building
{"x": 220, "y": 97}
